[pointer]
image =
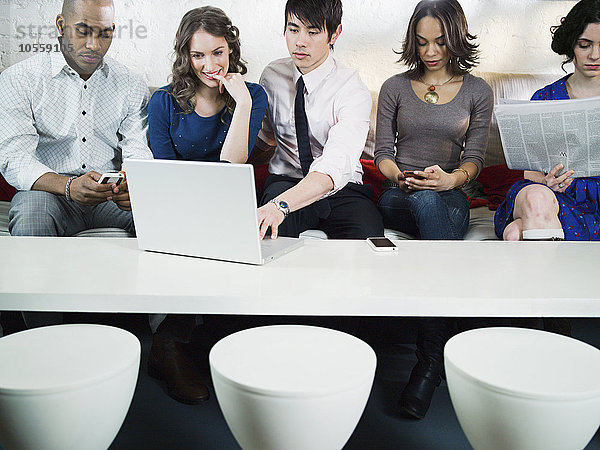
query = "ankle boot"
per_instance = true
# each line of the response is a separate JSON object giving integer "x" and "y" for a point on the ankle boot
{"x": 168, "y": 362}
{"x": 427, "y": 373}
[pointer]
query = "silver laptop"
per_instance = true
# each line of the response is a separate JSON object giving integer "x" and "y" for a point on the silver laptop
{"x": 199, "y": 209}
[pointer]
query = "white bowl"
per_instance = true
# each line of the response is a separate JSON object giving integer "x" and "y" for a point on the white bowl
{"x": 66, "y": 386}
{"x": 292, "y": 387}
{"x": 515, "y": 388}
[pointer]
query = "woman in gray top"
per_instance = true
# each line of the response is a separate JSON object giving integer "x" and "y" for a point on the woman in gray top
{"x": 432, "y": 129}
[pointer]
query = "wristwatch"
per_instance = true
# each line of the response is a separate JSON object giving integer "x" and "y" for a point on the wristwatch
{"x": 281, "y": 206}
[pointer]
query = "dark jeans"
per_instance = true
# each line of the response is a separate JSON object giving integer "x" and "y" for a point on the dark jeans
{"x": 426, "y": 214}
{"x": 348, "y": 214}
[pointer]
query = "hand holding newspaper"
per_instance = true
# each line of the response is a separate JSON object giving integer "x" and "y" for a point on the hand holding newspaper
{"x": 538, "y": 135}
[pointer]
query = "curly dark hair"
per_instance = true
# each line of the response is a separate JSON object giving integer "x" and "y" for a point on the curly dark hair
{"x": 565, "y": 35}
{"x": 463, "y": 53}
{"x": 185, "y": 82}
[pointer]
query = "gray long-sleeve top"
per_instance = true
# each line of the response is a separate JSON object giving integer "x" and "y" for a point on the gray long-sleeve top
{"x": 416, "y": 134}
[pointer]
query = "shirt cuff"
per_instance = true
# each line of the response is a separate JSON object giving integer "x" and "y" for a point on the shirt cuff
{"x": 338, "y": 169}
{"x": 139, "y": 153}
{"x": 31, "y": 175}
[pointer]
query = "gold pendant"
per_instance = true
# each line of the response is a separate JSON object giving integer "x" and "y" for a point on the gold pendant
{"x": 431, "y": 97}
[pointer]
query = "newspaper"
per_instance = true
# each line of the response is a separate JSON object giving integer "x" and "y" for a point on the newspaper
{"x": 538, "y": 135}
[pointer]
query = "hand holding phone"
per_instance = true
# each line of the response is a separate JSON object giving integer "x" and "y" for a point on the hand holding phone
{"x": 382, "y": 244}
{"x": 111, "y": 178}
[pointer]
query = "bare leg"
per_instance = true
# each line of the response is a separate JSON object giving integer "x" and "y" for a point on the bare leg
{"x": 535, "y": 208}
{"x": 513, "y": 231}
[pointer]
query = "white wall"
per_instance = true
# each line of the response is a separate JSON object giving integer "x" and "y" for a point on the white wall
{"x": 514, "y": 34}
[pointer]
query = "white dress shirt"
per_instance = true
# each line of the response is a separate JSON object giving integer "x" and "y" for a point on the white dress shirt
{"x": 53, "y": 121}
{"x": 338, "y": 106}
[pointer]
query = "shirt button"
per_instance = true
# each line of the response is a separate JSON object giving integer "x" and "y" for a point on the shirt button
{"x": 83, "y": 166}
{"x": 83, "y": 139}
{"x": 85, "y": 86}
{"x": 83, "y": 112}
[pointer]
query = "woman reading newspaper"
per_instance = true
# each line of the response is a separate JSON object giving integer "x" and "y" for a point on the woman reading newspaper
{"x": 559, "y": 205}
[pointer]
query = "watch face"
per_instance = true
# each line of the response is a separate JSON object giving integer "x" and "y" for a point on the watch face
{"x": 283, "y": 204}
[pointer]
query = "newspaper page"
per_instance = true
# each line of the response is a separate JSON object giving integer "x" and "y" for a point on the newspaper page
{"x": 538, "y": 135}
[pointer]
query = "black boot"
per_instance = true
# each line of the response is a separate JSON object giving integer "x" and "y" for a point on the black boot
{"x": 426, "y": 375}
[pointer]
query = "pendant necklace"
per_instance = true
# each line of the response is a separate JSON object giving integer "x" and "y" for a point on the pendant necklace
{"x": 431, "y": 96}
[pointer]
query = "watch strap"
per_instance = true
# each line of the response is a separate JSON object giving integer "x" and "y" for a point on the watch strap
{"x": 281, "y": 206}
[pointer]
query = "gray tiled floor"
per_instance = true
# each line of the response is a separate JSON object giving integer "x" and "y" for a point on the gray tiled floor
{"x": 155, "y": 421}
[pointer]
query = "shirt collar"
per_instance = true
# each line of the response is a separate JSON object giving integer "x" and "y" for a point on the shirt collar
{"x": 313, "y": 78}
{"x": 58, "y": 63}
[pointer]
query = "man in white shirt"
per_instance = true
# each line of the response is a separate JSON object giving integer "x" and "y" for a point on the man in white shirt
{"x": 69, "y": 116}
{"x": 318, "y": 119}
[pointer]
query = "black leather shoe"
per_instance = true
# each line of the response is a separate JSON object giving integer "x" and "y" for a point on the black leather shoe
{"x": 427, "y": 373}
{"x": 417, "y": 394}
{"x": 168, "y": 362}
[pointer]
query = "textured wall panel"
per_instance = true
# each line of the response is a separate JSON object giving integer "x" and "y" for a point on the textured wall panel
{"x": 514, "y": 34}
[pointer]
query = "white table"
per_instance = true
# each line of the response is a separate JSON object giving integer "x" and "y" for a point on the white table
{"x": 424, "y": 278}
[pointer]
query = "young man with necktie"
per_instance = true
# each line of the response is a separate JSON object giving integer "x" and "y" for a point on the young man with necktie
{"x": 318, "y": 120}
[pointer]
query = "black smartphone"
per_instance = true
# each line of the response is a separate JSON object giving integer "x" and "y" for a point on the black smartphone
{"x": 412, "y": 174}
{"x": 381, "y": 244}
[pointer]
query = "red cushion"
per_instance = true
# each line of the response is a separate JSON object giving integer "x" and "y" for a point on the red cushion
{"x": 261, "y": 172}
{"x": 6, "y": 190}
{"x": 372, "y": 176}
{"x": 496, "y": 181}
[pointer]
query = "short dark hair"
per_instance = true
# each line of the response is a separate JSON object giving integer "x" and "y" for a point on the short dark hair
{"x": 463, "y": 53}
{"x": 316, "y": 13}
{"x": 565, "y": 35}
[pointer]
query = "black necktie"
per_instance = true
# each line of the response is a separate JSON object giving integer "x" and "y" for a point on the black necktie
{"x": 306, "y": 157}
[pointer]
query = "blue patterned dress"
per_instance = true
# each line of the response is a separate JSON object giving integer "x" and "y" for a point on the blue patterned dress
{"x": 578, "y": 206}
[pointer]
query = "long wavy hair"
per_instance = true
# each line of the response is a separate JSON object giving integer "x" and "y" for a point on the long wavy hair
{"x": 185, "y": 82}
{"x": 565, "y": 35}
{"x": 462, "y": 51}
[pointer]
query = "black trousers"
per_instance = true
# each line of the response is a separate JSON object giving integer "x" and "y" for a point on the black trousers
{"x": 348, "y": 214}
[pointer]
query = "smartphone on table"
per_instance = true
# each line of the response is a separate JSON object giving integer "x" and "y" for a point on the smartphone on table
{"x": 381, "y": 244}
